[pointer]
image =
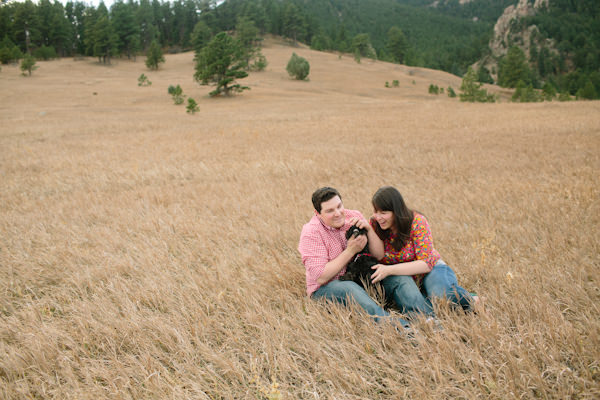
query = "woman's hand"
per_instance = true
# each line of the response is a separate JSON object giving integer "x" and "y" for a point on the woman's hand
{"x": 360, "y": 223}
{"x": 381, "y": 272}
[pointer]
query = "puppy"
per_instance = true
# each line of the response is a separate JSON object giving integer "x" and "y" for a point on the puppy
{"x": 359, "y": 269}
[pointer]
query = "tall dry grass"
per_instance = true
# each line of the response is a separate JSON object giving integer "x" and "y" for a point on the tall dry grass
{"x": 146, "y": 253}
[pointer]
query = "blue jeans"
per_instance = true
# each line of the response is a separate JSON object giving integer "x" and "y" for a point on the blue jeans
{"x": 440, "y": 282}
{"x": 347, "y": 291}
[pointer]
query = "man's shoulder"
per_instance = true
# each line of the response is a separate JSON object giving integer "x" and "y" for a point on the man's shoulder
{"x": 313, "y": 225}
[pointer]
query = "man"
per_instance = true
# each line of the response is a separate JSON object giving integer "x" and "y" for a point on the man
{"x": 326, "y": 252}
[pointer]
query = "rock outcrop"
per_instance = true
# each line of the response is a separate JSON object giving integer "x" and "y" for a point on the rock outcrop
{"x": 507, "y": 33}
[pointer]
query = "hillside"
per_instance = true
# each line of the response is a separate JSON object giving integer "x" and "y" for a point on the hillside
{"x": 148, "y": 253}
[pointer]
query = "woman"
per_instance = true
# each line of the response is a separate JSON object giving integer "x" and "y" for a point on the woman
{"x": 410, "y": 270}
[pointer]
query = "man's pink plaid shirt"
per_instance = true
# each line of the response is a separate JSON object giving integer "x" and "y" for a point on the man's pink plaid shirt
{"x": 320, "y": 244}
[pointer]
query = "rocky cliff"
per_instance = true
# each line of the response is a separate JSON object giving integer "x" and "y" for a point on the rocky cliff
{"x": 508, "y": 32}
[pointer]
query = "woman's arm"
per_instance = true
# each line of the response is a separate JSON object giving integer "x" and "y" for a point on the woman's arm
{"x": 406, "y": 268}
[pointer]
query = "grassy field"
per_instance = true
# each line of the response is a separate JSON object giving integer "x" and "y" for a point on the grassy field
{"x": 146, "y": 253}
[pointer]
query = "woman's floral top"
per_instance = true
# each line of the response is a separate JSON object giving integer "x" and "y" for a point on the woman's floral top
{"x": 418, "y": 247}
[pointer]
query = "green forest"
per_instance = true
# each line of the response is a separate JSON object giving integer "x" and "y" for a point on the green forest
{"x": 448, "y": 37}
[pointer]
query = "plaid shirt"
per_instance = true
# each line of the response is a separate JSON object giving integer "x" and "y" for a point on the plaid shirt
{"x": 320, "y": 244}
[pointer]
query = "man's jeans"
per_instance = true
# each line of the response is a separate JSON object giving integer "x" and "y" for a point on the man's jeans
{"x": 345, "y": 291}
{"x": 440, "y": 282}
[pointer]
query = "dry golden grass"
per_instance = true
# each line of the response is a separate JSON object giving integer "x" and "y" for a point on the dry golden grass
{"x": 147, "y": 253}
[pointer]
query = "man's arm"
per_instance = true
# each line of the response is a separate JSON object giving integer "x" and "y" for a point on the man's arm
{"x": 333, "y": 267}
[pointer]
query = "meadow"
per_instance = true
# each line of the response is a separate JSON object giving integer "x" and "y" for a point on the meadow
{"x": 146, "y": 253}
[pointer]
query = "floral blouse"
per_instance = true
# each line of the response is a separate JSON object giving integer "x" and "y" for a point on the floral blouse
{"x": 418, "y": 247}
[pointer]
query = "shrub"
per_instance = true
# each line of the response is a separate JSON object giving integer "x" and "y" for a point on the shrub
{"x": 9, "y": 52}
{"x": 451, "y": 92}
{"x": 298, "y": 68}
{"x": 192, "y": 106}
{"x": 45, "y": 53}
{"x": 260, "y": 63}
{"x": 387, "y": 84}
{"x": 564, "y": 96}
{"x": 395, "y": 83}
{"x": 177, "y": 93}
{"x": 434, "y": 89}
{"x": 143, "y": 80}
{"x": 525, "y": 94}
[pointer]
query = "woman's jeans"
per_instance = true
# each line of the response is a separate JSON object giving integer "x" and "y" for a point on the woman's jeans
{"x": 440, "y": 282}
{"x": 346, "y": 291}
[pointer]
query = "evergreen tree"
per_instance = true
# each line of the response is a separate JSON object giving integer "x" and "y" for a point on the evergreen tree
{"x": 26, "y": 26}
{"x": 105, "y": 40}
{"x": 247, "y": 33}
{"x": 361, "y": 46}
{"x": 200, "y": 36}
{"x": 146, "y": 23}
{"x": 221, "y": 62}
{"x": 471, "y": 90}
{"x": 587, "y": 92}
{"x": 9, "y": 52}
{"x": 28, "y": 64}
{"x": 294, "y": 24}
{"x": 127, "y": 29}
{"x": 154, "y": 56}
{"x": 397, "y": 45}
{"x": 514, "y": 68}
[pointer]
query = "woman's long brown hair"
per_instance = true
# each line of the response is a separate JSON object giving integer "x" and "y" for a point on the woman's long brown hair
{"x": 388, "y": 198}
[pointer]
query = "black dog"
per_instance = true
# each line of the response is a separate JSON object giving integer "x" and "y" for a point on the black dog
{"x": 359, "y": 269}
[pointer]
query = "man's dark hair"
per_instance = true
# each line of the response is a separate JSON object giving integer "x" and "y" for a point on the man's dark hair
{"x": 322, "y": 195}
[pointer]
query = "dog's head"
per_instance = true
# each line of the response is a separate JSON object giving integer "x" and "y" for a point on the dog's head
{"x": 355, "y": 231}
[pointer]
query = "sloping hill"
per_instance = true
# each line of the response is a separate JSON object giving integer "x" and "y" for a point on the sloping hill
{"x": 148, "y": 253}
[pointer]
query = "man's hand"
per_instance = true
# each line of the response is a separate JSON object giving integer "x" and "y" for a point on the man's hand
{"x": 381, "y": 272}
{"x": 356, "y": 243}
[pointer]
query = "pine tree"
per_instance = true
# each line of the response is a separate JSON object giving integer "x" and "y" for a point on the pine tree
{"x": 154, "y": 55}
{"x": 28, "y": 64}
{"x": 221, "y": 62}
{"x": 471, "y": 90}
{"x": 514, "y": 68}
{"x": 397, "y": 45}
{"x": 105, "y": 43}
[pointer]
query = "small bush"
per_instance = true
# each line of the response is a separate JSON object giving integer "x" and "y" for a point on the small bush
{"x": 525, "y": 94}
{"x": 298, "y": 68}
{"x": 9, "y": 52}
{"x": 260, "y": 63}
{"x": 387, "y": 84}
{"x": 451, "y": 92}
{"x": 434, "y": 89}
{"x": 395, "y": 83}
{"x": 192, "y": 106}
{"x": 564, "y": 96}
{"x": 177, "y": 93}
{"x": 143, "y": 80}
{"x": 45, "y": 53}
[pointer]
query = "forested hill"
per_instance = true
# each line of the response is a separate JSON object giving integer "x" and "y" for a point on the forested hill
{"x": 440, "y": 34}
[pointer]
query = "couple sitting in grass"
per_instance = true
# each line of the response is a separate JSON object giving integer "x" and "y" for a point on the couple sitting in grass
{"x": 410, "y": 270}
